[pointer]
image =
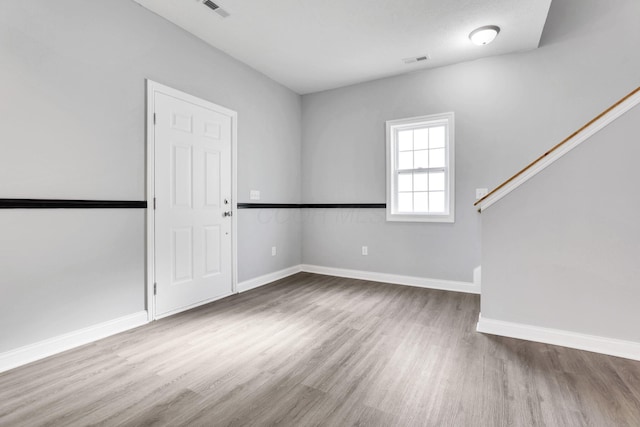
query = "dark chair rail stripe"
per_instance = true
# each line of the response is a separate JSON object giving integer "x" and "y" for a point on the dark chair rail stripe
{"x": 71, "y": 204}
{"x": 345, "y": 205}
{"x": 268, "y": 206}
{"x": 312, "y": 206}
{"x": 141, "y": 204}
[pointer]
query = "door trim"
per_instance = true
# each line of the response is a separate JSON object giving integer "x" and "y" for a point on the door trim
{"x": 153, "y": 88}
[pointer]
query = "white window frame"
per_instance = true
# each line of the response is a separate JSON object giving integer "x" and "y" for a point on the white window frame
{"x": 392, "y": 129}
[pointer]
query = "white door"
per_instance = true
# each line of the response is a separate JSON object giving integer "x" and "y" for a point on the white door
{"x": 193, "y": 223}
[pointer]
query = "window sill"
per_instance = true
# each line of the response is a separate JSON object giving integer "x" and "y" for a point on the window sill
{"x": 395, "y": 217}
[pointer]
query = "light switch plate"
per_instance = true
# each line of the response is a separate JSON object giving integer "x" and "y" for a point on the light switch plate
{"x": 254, "y": 195}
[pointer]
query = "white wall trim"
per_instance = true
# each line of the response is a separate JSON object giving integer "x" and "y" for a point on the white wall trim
{"x": 477, "y": 276}
{"x": 599, "y": 124}
{"x": 593, "y": 343}
{"x": 150, "y": 194}
{"x": 420, "y": 282}
{"x": 268, "y": 278}
{"x": 32, "y": 352}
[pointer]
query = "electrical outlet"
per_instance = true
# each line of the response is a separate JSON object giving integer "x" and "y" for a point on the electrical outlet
{"x": 254, "y": 195}
{"x": 365, "y": 250}
{"x": 481, "y": 192}
{"x": 274, "y": 251}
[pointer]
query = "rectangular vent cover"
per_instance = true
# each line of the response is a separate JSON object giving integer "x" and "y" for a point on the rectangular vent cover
{"x": 211, "y": 5}
{"x": 220, "y": 11}
{"x": 415, "y": 59}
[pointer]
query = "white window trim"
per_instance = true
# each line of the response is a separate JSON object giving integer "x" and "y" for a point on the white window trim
{"x": 393, "y": 126}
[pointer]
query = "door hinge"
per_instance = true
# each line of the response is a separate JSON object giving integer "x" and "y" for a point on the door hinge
{"x": 154, "y": 118}
{"x": 155, "y": 288}
{"x": 154, "y": 203}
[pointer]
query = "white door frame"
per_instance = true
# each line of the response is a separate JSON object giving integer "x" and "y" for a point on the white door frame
{"x": 152, "y": 89}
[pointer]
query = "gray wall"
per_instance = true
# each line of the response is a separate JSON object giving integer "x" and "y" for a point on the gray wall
{"x": 334, "y": 238}
{"x": 63, "y": 270}
{"x": 281, "y": 228}
{"x": 562, "y": 251}
{"x": 72, "y": 84}
{"x": 509, "y": 109}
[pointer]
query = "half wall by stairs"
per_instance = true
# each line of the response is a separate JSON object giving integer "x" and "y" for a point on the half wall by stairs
{"x": 561, "y": 242}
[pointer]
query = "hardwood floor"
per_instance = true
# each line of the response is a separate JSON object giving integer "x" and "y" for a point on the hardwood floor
{"x": 318, "y": 350}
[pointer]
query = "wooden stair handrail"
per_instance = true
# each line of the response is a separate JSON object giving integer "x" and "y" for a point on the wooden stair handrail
{"x": 560, "y": 144}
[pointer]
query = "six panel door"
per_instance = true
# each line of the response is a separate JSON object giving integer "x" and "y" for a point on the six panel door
{"x": 193, "y": 196}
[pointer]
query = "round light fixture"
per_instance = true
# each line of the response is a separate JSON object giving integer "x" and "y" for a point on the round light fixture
{"x": 484, "y": 35}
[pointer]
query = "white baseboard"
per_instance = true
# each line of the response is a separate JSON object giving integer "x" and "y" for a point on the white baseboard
{"x": 267, "y": 278}
{"x": 593, "y": 343}
{"x": 477, "y": 276}
{"x": 420, "y": 282}
{"x": 32, "y": 352}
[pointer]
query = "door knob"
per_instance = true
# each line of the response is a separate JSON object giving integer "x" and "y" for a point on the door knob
{"x": 229, "y": 213}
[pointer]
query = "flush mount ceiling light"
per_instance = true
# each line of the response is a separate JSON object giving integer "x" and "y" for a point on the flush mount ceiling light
{"x": 484, "y": 35}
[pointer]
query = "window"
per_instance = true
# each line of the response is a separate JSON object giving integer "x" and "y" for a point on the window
{"x": 420, "y": 174}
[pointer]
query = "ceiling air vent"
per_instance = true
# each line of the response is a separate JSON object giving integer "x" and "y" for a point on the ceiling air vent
{"x": 415, "y": 59}
{"x": 217, "y": 9}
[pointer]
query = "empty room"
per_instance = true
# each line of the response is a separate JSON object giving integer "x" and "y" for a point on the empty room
{"x": 334, "y": 213}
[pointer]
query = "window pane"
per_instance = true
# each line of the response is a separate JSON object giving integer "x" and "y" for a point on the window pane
{"x": 405, "y": 202}
{"x": 436, "y": 202}
{"x": 420, "y": 182}
{"x": 405, "y": 160}
{"x": 436, "y": 181}
{"x": 436, "y": 158}
{"x": 436, "y": 137}
{"x": 421, "y": 139}
{"x": 421, "y": 159}
{"x": 405, "y": 182}
{"x": 421, "y": 202}
{"x": 405, "y": 140}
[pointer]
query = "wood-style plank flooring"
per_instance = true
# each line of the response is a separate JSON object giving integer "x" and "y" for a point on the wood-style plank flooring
{"x": 316, "y": 350}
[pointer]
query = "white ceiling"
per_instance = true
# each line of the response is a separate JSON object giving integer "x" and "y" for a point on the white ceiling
{"x": 310, "y": 46}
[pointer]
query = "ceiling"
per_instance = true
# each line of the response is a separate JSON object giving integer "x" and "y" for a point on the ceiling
{"x": 310, "y": 46}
